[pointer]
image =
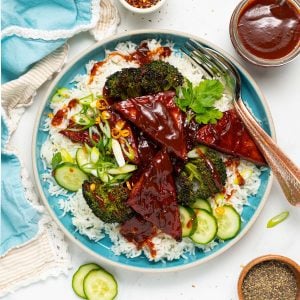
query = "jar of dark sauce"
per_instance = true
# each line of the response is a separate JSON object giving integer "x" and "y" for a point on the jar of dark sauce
{"x": 266, "y": 32}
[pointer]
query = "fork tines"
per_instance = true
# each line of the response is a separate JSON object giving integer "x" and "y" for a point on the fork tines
{"x": 204, "y": 57}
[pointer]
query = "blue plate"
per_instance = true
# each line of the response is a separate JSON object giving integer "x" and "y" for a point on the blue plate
{"x": 251, "y": 95}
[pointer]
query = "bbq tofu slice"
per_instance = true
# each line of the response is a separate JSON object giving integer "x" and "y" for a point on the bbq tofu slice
{"x": 154, "y": 196}
{"x": 159, "y": 117}
{"x": 230, "y": 136}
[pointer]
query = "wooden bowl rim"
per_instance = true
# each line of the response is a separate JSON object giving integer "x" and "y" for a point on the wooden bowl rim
{"x": 291, "y": 263}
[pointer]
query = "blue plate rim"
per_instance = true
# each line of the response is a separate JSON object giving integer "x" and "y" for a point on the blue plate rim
{"x": 49, "y": 91}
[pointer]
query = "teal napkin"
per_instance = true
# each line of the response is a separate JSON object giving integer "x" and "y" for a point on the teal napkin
{"x": 19, "y": 220}
{"x": 31, "y": 29}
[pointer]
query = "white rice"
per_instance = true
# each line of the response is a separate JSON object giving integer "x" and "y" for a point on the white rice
{"x": 85, "y": 222}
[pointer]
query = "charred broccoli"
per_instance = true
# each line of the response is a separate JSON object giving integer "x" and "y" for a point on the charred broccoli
{"x": 159, "y": 76}
{"x": 186, "y": 189}
{"x": 201, "y": 178}
{"x": 124, "y": 84}
{"x": 156, "y": 76}
{"x": 107, "y": 202}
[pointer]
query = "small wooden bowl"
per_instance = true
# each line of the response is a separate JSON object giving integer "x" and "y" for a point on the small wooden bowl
{"x": 292, "y": 264}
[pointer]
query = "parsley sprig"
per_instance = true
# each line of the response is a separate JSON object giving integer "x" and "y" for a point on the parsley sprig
{"x": 198, "y": 101}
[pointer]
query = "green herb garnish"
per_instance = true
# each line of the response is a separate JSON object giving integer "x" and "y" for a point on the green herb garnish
{"x": 56, "y": 160}
{"x": 198, "y": 100}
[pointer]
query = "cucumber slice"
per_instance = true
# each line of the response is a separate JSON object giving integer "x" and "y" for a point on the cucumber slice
{"x": 69, "y": 176}
{"x": 203, "y": 204}
{"x": 206, "y": 227}
{"x": 99, "y": 284}
{"x": 229, "y": 222}
{"x": 188, "y": 221}
{"x": 78, "y": 277}
{"x": 122, "y": 170}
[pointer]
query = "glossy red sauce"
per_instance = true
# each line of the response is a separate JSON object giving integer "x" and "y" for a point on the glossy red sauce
{"x": 191, "y": 128}
{"x": 154, "y": 196}
{"x": 80, "y": 136}
{"x": 59, "y": 117}
{"x": 230, "y": 136}
{"x": 139, "y": 231}
{"x": 269, "y": 29}
{"x": 142, "y": 55}
{"x": 62, "y": 113}
{"x": 72, "y": 103}
{"x": 158, "y": 116}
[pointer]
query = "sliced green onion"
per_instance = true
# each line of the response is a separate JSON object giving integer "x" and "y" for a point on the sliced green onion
{"x": 63, "y": 92}
{"x": 104, "y": 176}
{"x": 87, "y": 100}
{"x": 117, "y": 150}
{"x": 122, "y": 170}
{"x": 120, "y": 178}
{"x": 105, "y": 128}
{"x": 82, "y": 120}
{"x": 95, "y": 155}
{"x": 127, "y": 149}
{"x": 277, "y": 219}
{"x": 93, "y": 104}
{"x": 60, "y": 95}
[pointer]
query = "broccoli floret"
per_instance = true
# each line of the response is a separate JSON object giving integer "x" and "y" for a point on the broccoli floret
{"x": 107, "y": 202}
{"x": 157, "y": 76}
{"x": 186, "y": 189}
{"x": 124, "y": 84}
{"x": 218, "y": 163}
{"x": 197, "y": 179}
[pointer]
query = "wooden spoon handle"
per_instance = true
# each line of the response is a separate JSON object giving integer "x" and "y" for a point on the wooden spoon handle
{"x": 286, "y": 172}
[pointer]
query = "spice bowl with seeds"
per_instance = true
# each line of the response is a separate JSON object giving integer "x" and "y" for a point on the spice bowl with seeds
{"x": 142, "y": 6}
{"x": 270, "y": 277}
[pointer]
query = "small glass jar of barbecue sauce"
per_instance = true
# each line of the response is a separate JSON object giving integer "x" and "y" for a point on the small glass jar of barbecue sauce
{"x": 266, "y": 32}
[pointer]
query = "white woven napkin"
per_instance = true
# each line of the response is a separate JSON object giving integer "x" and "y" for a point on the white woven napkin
{"x": 46, "y": 254}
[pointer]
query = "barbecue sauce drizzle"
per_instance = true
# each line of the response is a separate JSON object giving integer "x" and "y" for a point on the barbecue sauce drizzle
{"x": 141, "y": 56}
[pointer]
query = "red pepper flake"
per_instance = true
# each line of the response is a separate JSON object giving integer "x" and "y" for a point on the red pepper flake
{"x": 142, "y": 3}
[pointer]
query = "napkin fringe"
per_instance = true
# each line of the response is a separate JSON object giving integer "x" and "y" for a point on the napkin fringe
{"x": 108, "y": 21}
{"x": 53, "y": 261}
{"x": 49, "y": 35}
{"x": 49, "y": 237}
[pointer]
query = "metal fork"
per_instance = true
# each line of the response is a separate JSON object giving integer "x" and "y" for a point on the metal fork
{"x": 215, "y": 65}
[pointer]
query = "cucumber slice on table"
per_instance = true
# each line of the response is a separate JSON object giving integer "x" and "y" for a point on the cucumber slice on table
{"x": 188, "y": 221}
{"x": 99, "y": 284}
{"x": 206, "y": 227}
{"x": 69, "y": 176}
{"x": 203, "y": 204}
{"x": 78, "y": 277}
{"x": 229, "y": 222}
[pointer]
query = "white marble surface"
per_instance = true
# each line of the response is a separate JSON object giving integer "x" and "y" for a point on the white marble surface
{"x": 215, "y": 280}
